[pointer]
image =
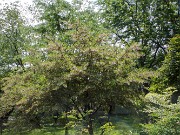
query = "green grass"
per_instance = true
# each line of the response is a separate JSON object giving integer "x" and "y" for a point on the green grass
{"x": 50, "y": 131}
{"x": 127, "y": 126}
{"x": 123, "y": 125}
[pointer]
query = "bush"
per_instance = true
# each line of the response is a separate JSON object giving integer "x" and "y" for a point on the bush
{"x": 165, "y": 116}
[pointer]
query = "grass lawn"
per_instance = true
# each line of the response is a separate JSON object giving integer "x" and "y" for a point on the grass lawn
{"x": 123, "y": 125}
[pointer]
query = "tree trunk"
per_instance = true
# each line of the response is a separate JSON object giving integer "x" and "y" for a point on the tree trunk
{"x": 66, "y": 128}
{"x": 90, "y": 127}
{"x": 1, "y": 129}
{"x": 66, "y": 131}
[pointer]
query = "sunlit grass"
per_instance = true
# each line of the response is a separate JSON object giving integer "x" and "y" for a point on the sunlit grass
{"x": 123, "y": 125}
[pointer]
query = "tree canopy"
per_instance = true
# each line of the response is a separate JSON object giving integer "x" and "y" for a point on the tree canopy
{"x": 81, "y": 61}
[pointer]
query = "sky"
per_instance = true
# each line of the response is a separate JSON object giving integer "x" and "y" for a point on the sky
{"x": 22, "y": 1}
{"x": 24, "y": 4}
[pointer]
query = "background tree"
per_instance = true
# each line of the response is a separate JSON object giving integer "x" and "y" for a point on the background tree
{"x": 13, "y": 39}
{"x": 169, "y": 72}
{"x": 53, "y": 16}
{"x": 164, "y": 116}
{"x": 151, "y": 23}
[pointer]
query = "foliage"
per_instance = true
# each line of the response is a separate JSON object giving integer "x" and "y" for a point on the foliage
{"x": 169, "y": 72}
{"x": 54, "y": 15}
{"x": 79, "y": 60}
{"x": 13, "y": 39}
{"x": 106, "y": 128}
{"x": 165, "y": 117}
{"x": 86, "y": 75}
{"x": 24, "y": 97}
{"x": 151, "y": 23}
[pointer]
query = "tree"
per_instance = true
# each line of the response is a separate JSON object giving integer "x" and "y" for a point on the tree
{"x": 73, "y": 67}
{"x": 165, "y": 117}
{"x": 54, "y": 16}
{"x": 86, "y": 76}
{"x": 57, "y": 16}
{"x": 151, "y": 23}
{"x": 169, "y": 72}
{"x": 13, "y": 39}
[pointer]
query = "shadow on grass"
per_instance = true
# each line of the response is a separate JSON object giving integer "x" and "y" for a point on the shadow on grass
{"x": 123, "y": 125}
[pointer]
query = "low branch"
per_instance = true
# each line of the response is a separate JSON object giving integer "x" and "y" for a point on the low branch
{"x": 77, "y": 108}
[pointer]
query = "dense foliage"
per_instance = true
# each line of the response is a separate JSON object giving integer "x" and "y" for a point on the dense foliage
{"x": 165, "y": 116}
{"x": 168, "y": 74}
{"x": 79, "y": 63}
{"x": 152, "y": 23}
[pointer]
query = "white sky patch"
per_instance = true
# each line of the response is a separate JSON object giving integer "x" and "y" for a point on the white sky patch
{"x": 24, "y": 5}
{"x": 30, "y": 2}
{"x": 22, "y": 2}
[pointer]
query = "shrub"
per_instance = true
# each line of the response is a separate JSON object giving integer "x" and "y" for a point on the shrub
{"x": 165, "y": 117}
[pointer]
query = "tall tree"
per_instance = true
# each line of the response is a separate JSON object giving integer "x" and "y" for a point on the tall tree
{"x": 86, "y": 76}
{"x": 13, "y": 39}
{"x": 169, "y": 73}
{"x": 151, "y": 23}
{"x": 54, "y": 16}
{"x": 80, "y": 69}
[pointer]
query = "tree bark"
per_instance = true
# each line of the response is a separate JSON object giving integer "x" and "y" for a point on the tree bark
{"x": 66, "y": 128}
{"x": 90, "y": 127}
{"x": 66, "y": 131}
